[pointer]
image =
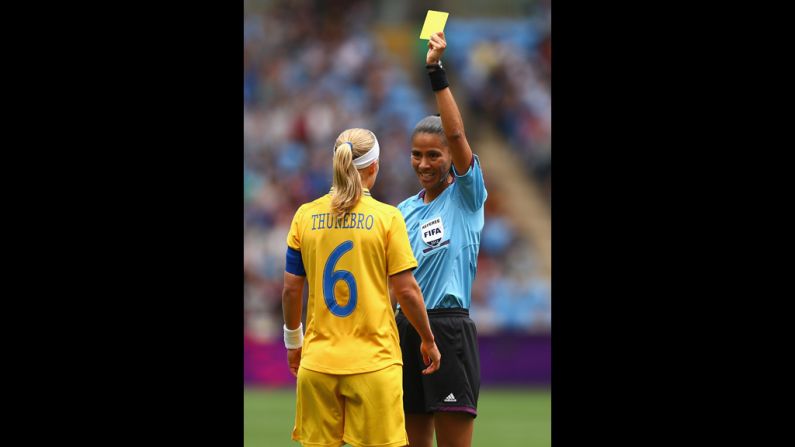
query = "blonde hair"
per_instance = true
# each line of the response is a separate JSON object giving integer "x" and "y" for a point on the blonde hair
{"x": 346, "y": 181}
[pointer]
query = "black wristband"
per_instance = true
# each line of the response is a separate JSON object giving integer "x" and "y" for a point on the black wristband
{"x": 438, "y": 78}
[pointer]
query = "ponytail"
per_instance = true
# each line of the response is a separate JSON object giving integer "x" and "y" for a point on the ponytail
{"x": 346, "y": 181}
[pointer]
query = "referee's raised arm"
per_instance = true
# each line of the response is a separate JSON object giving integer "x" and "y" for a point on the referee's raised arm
{"x": 451, "y": 117}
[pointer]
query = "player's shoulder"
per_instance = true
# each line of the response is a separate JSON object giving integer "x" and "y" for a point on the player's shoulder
{"x": 382, "y": 208}
{"x": 309, "y": 206}
{"x": 319, "y": 202}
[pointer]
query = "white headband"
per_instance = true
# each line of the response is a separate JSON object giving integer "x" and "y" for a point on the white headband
{"x": 366, "y": 159}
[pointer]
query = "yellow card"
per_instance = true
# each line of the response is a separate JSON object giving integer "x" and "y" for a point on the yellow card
{"x": 434, "y": 22}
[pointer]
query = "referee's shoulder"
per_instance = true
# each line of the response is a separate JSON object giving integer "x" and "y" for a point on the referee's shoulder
{"x": 406, "y": 204}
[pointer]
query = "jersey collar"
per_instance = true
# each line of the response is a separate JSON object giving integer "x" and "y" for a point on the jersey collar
{"x": 365, "y": 191}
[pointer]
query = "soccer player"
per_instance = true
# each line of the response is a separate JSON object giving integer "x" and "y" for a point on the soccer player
{"x": 444, "y": 222}
{"x": 352, "y": 250}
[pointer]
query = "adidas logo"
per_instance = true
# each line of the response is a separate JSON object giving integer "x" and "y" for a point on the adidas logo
{"x": 450, "y": 398}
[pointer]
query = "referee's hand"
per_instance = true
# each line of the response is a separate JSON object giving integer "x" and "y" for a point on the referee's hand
{"x": 436, "y": 46}
{"x": 430, "y": 355}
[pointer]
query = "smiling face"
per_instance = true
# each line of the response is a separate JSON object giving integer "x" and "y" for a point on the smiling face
{"x": 431, "y": 161}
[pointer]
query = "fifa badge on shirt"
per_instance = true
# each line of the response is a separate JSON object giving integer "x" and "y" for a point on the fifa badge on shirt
{"x": 432, "y": 231}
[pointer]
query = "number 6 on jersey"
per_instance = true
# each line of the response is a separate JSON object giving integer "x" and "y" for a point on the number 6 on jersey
{"x": 330, "y": 278}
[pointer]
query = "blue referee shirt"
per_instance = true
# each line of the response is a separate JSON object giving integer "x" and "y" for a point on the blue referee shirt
{"x": 445, "y": 238}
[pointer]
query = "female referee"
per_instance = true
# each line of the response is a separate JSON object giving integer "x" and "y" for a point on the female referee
{"x": 444, "y": 222}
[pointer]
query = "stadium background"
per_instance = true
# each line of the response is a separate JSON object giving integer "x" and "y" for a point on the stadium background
{"x": 313, "y": 68}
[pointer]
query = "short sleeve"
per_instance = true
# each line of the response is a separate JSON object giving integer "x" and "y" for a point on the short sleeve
{"x": 294, "y": 235}
{"x": 471, "y": 189}
{"x": 399, "y": 256}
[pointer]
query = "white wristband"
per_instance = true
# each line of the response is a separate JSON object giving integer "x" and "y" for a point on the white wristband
{"x": 294, "y": 338}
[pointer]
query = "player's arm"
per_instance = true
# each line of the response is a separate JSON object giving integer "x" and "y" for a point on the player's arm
{"x": 292, "y": 293}
{"x": 452, "y": 123}
{"x": 292, "y": 296}
{"x": 407, "y": 292}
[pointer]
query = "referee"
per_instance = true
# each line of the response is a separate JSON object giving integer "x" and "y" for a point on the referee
{"x": 444, "y": 221}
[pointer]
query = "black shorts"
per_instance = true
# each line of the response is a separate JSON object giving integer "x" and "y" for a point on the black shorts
{"x": 455, "y": 386}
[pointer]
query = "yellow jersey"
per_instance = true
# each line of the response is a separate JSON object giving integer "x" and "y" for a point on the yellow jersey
{"x": 350, "y": 325}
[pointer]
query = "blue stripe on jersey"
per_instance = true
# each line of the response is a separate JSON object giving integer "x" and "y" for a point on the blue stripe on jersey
{"x": 293, "y": 262}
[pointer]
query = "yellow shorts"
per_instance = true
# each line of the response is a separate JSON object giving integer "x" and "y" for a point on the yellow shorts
{"x": 363, "y": 410}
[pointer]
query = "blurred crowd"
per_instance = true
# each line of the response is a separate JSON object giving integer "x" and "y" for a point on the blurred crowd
{"x": 506, "y": 70}
{"x": 313, "y": 69}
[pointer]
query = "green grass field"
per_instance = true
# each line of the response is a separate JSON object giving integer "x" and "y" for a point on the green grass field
{"x": 506, "y": 417}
